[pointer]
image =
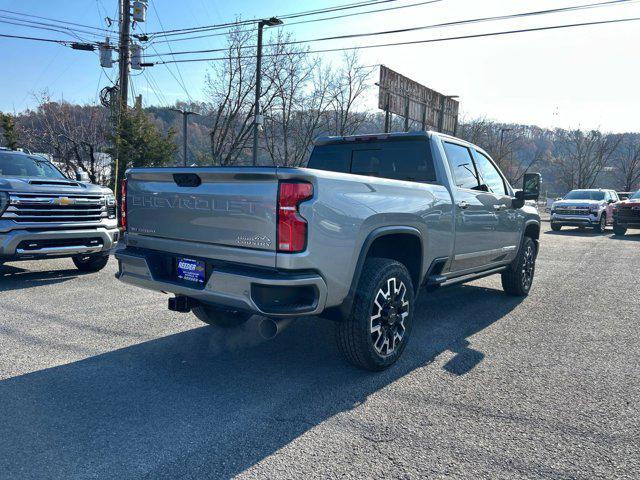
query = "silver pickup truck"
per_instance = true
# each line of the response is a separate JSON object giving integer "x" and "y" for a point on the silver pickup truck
{"x": 43, "y": 214}
{"x": 353, "y": 237}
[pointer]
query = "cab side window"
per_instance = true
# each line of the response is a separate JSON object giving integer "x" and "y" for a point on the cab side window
{"x": 462, "y": 165}
{"x": 489, "y": 174}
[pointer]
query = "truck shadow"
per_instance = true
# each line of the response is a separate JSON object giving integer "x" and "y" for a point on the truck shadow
{"x": 576, "y": 232}
{"x": 16, "y": 278}
{"x": 629, "y": 237}
{"x": 197, "y": 404}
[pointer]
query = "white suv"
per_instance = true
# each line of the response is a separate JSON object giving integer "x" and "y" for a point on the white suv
{"x": 584, "y": 208}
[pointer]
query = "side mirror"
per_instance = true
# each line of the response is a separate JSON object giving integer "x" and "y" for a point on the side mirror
{"x": 531, "y": 186}
{"x": 530, "y": 190}
{"x": 82, "y": 176}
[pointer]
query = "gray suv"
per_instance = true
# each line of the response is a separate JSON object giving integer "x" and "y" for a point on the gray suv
{"x": 43, "y": 214}
{"x": 373, "y": 221}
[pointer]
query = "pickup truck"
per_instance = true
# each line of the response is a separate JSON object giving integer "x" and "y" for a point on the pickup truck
{"x": 584, "y": 208}
{"x": 43, "y": 214}
{"x": 353, "y": 237}
{"x": 626, "y": 214}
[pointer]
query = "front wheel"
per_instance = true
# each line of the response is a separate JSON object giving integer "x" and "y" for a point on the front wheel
{"x": 518, "y": 278}
{"x": 91, "y": 263}
{"x": 619, "y": 230}
{"x": 556, "y": 227}
{"x": 602, "y": 224}
{"x": 378, "y": 329}
{"x": 221, "y": 318}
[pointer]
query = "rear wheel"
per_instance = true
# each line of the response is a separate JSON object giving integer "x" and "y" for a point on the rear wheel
{"x": 221, "y": 318}
{"x": 91, "y": 263}
{"x": 556, "y": 227}
{"x": 518, "y": 278}
{"x": 378, "y": 329}
{"x": 602, "y": 225}
{"x": 619, "y": 230}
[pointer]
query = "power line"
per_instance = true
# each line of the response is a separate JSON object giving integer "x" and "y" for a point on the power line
{"x": 66, "y": 43}
{"x": 181, "y": 81}
{"x": 423, "y": 27}
{"x": 335, "y": 17}
{"x": 53, "y": 20}
{"x": 184, "y": 31}
{"x": 415, "y": 42}
{"x": 334, "y": 9}
{"x": 52, "y": 28}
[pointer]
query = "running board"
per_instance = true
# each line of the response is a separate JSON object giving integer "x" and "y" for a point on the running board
{"x": 442, "y": 281}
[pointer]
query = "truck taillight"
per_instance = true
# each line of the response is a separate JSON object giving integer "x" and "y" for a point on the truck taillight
{"x": 292, "y": 228}
{"x": 123, "y": 205}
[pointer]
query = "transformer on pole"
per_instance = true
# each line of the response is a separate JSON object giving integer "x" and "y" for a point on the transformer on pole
{"x": 136, "y": 57}
{"x": 139, "y": 11}
{"x": 106, "y": 57}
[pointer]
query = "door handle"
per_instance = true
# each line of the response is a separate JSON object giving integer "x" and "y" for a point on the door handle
{"x": 463, "y": 205}
{"x": 497, "y": 208}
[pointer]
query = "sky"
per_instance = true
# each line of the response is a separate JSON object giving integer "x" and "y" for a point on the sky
{"x": 584, "y": 77}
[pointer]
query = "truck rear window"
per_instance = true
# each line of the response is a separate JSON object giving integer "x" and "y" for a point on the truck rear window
{"x": 408, "y": 160}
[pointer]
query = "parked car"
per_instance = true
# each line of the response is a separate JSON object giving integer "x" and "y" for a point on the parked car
{"x": 626, "y": 214}
{"x": 43, "y": 214}
{"x": 624, "y": 195}
{"x": 584, "y": 208}
{"x": 352, "y": 238}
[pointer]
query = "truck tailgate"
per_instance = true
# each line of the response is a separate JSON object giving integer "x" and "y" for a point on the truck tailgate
{"x": 227, "y": 206}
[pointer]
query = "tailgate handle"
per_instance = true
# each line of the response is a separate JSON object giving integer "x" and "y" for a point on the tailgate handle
{"x": 187, "y": 179}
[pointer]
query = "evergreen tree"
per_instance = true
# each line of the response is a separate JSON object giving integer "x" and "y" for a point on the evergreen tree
{"x": 9, "y": 133}
{"x": 140, "y": 143}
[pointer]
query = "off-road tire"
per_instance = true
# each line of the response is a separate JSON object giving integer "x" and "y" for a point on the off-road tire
{"x": 90, "y": 263}
{"x": 602, "y": 225}
{"x": 221, "y": 318}
{"x": 359, "y": 336}
{"x": 555, "y": 227}
{"x": 619, "y": 231}
{"x": 518, "y": 278}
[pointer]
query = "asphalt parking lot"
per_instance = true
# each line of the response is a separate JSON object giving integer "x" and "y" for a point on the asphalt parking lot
{"x": 100, "y": 380}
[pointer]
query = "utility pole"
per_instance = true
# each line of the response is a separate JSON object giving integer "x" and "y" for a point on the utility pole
{"x": 123, "y": 65}
{"x": 125, "y": 34}
{"x": 184, "y": 114}
{"x": 257, "y": 119}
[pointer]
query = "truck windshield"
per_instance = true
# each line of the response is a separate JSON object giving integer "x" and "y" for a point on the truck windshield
{"x": 635, "y": 196}
{"x": 585, "y": 195}
{"x": 408, "y": 160}
{"x": 21, "y": 165}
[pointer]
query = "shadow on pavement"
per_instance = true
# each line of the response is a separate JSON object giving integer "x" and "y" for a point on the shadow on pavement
{"x": 15, "y": 278}
{"x": 205, "y": 403}
{"x": 576, "y": 232}
{"x": 629, "y": 237}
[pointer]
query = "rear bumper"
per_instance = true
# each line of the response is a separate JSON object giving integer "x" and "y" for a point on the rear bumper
{"x": 269, "y": 293}
{"x": 26, "y": 244}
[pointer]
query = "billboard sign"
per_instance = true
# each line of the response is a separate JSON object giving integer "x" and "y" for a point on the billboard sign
{"x": 409, "y": 99}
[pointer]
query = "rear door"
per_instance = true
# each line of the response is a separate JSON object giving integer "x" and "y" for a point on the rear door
{"x": 233, "y": 207}
{"x": 477, "y": 213}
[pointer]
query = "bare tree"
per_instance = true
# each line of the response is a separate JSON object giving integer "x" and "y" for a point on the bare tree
{"x": 515, "y": 148}
{"x": 301, "y": 99}
{"x": 626, "y": 162}
{"x": 582, "y": 156}
{"x": 350, "y": 84}
{"x": 74, "y": 135}
{"x": 230, "y": 86}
